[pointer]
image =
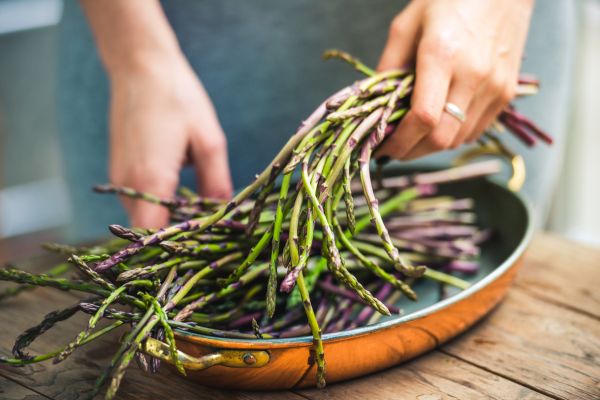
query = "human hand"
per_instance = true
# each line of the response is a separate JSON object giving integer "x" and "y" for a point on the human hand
{"x": 160, "y": 118}
{"x": 466, "y": 52}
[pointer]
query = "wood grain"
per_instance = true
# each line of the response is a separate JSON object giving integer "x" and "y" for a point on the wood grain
{"x": 563, "y": 272}
{"x": 25, "y": 247}
{"x": 435, "y": 376}
{"x": 76, "y": 375}
{"x": 10, "y": 390}
{"x": 542, "y": 342}
{"x": 537, "y": 344}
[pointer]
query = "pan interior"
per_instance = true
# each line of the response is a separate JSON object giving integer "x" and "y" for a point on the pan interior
{"x": 505, "y": 212}
{"x": 496, "y": 208}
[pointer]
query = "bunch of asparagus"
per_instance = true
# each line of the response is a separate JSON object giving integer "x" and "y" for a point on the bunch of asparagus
{"x": 303, "y": 228}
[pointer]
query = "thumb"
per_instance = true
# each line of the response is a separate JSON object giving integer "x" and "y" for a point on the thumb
{"x": 209, "y": 153}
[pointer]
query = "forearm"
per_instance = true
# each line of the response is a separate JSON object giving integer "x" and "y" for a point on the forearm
{"x": 130, "y": 33}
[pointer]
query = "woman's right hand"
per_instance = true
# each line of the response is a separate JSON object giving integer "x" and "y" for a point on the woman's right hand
{"x": 161, "y": 118}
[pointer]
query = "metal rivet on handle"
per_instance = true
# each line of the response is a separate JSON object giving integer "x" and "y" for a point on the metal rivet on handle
{"x": 249, "y": 359}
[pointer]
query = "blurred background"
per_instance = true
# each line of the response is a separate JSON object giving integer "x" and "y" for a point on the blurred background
{"x": 33, "y": 195}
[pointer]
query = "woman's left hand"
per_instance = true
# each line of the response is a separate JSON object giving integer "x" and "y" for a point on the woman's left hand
{"x": 466, "y": 52}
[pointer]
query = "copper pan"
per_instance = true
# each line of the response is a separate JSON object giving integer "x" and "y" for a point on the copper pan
{"x": 272, "y": 364}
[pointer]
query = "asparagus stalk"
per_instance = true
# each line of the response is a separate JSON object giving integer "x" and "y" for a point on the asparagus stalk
{"x": 319, "y": 353}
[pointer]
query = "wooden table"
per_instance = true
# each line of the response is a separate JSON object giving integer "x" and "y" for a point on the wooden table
{"x": 542, "y": 342}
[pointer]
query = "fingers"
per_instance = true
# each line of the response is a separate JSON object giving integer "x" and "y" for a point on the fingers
{"x": 458, "y": 43}
{"x": 488, "y": 116}
{"x": 141, "y": 213}
{"x": 401, "y": 44}
{"x": 145, "y": 215}
{"x": 495, "y": 94}
{"x": 142, "y": 163}
{"x": 503, "y": 95}
{"x": 433, "y": 72}
{"x": 443, "y": 135}
{"x": 475, "y": 126}
{"x": 209, "y": 153}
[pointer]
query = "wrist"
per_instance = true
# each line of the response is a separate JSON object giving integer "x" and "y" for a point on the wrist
{"x": 130, "y": 37}
{"x": 144, "y": 62}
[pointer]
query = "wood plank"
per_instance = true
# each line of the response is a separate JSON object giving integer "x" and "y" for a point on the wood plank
{"x": 10, "y": 390}
{"x": 538, "y": 344}
{"x": 563, "y": 272}
{"x": 435, "y": 376}
{"x": 26, "y": 246}
{"x": 68, "y": 380}
{"x": 75, "y": 376}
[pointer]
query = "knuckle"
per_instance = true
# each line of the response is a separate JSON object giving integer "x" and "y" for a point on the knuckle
{"x": 213, "y": 144}
{"x": 479, "y": 71}
{"x": 439, "y": 141}
{"x": 426, "y": 117}
{"x": 496, "y": 86}
{"x": 507, "y": 93}
{"x": 117, "y": 177}
{"x": 149, "y": 176}
{"x": 120, "y": 175}
{"x": 398, "y": 26}
{"x": 443, "y": 46}
{"x": 138, "y": 176}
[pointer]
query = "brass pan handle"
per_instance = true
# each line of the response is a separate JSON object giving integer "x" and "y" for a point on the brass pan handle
{"x": 494, "y": 147}
{"x": 228, "y": 358}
